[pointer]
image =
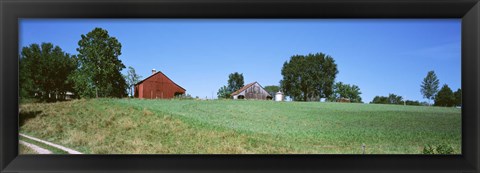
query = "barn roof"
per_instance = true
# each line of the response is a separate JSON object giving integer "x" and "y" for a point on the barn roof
{"x": 245, "y": 87}
{"x": 159, "y": 72}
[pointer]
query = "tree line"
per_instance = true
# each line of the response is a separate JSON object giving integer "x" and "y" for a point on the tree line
{"x": 313, "y": 76}
{"x": 48, "y": 73}
{"x": 429, "y": 88}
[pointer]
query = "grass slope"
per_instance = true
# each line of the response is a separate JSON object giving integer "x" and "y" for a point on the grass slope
{"x": 239, "y": 126}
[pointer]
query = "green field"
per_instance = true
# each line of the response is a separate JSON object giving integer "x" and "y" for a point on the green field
{"x": 130, "y": 126}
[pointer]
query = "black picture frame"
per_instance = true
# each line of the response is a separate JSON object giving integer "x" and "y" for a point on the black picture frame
{"x": 12, "y": 10}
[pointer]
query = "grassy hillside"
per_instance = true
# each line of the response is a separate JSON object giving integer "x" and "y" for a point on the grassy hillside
{"x": 239, "y": 126}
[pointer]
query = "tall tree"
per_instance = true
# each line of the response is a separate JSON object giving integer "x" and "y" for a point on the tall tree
{"x": 132, "y": 78}
{"x": 429, "y": 87}
{"x": 99, "y": 71}
{"x": 445, "y": 97}
{"x": 235, "y": 81}
{"x": 458, "y": 97}
{"x": 309, "y": 77}
{"x": 44, "y": 71}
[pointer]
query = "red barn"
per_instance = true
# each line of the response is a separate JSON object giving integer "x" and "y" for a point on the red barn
{"x": 157, "y": 86}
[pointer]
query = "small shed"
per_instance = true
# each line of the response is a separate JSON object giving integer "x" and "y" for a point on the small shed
{"x": 157, "y": 86}
{"x": 252, "y": 91}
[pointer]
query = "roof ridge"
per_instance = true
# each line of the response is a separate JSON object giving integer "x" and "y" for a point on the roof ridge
{"x": 163, "y": 75}
{"x": 243, "y": 88}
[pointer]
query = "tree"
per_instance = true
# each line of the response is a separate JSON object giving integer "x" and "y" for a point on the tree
{"x": 223, "y": 92}
{"x": 445, "y": 97}
{"x": 395, "y": 99}
{"x": 458, "y": 97}
{"x": 235, "y": 81}
{"x": 379, "y": 100}
{"x": 132, "y": 78}
{"x": 309, "y": 77}
{"x": 413, "y": 103}
{"x": 44, "y": 71}
{"x": 429, "y": 87}
{"x": 272, "y": 89}
{"x": 391, "y": 99}
{"x": 351, "y": 92}
{"x": 99, "y": 71}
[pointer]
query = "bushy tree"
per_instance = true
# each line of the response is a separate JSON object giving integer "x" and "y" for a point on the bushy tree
{"x": 379, "y": 100}
{"x": 309, "y": 78}
{"x": 458, "y": 97}
{"x": 445, "y": 97}
{"x": 351, "y": 92}
{"x": 390, "y": 99}
{"x": 44, "y": 70}
{"x": 429, "y": 87}
{"x": 223, "y": 93}
{"x": 395, "y": 99}
{"x": 99, "y": 70}
{"x": 235, "y": 81}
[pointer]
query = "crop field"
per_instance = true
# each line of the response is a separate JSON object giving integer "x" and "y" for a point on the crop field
{"x": 134, "y": 126}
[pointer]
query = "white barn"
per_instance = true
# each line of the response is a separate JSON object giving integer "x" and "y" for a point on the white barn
{"x": 252, "y": 91}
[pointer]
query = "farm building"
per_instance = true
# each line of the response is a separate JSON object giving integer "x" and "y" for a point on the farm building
{"x": 252, "y": 91}
{"x": 157, "y": 86}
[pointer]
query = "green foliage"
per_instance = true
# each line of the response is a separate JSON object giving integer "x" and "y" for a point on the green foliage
{"x": 439, "y": 149}
{"x": 379, "y": 100}
{"x": 99, "y": 71}
{"x": 458, "y": 97}
{"x": 309, "y": 78}
{"x": 391, "y": 99}
{"x": 132, "y": 78}
{"x": 224, "y": 92}
{"x": 235, "y": 81}
{"x": 445, "y": 97}
{"x": 413, "y": 103}
{"x": 395, "y": 99}
{"x": 428, "y": 149}
{"x": 429, "y": 87}
{"x": 351, "y": 92}
{"x": 272, "y": 89}
{"x": 44, "y": 70}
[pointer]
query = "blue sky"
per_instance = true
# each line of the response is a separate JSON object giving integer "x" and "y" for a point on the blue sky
{"x": 379, "y": 56}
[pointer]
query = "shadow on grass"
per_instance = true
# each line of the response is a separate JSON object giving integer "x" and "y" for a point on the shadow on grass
{"x": 24, "y": 116}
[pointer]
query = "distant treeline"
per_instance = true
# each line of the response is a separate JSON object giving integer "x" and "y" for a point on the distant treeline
{"x": 444, "y": 97}
{"x": 397, "y": 100}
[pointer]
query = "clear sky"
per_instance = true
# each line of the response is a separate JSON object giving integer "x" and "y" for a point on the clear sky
{"x": 379, "y": 56}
